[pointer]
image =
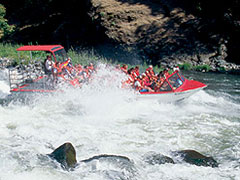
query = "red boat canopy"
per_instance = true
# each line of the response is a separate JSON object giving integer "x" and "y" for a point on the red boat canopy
{"x": 50, "y": 48}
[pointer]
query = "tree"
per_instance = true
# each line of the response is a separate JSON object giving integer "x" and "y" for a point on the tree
{"x": 5, "y": 28}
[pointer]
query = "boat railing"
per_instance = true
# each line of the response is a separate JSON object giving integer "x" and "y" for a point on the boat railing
{"x": 22, "y": 74}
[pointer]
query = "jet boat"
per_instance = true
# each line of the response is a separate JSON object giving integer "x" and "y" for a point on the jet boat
{"x": 174, "y": 88}
{"x": 22, "y": 80}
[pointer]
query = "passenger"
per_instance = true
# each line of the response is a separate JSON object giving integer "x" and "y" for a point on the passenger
{"x": 86, "y": 74}
{"x": 136, "y": 71}
{"x": 48, "y": 64}
{"x": 150, "y": 71}
{"x": 146, "y": 84}
{"x": 56, "y": 71}
{"x": 138, "y": 84}
{"x": 176, "y": 68}
{"x": 68, "y": 69}
{"x": 66, "y": 63}
{"x": 131, "y": 77}
{"x": 90, "y": 68}
{"x": 165, "y": 73}
{"x": 79, "y": 69}
{"x": 124, "y": 68}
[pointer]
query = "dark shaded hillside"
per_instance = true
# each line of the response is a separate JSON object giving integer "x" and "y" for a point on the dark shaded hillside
{"x": 159, "y": 30}
{"x": 46, "y": 21}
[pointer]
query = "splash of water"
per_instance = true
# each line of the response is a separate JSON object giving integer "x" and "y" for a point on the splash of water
{"x": 101, "y": 118}
{"x": 4, "y": 83}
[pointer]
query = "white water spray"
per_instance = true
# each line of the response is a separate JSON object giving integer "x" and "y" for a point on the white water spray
{"x": 4, "y": 83}
{"x": 102, "y": 118}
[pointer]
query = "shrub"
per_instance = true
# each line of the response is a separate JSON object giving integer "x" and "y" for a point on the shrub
{"x": 185, "y": 66}
{"x": 201, "y": 68}
{"x": 84, "y": 57}
{"x": 5, "y": 28}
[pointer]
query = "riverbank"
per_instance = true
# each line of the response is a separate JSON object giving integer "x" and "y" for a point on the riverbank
{"x": 9, "y": 57}
{"x": 217, "y": 66}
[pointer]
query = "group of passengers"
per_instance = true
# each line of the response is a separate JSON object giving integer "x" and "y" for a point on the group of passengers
{"x": 148, "y": 81}
{"x": 66, "y": 71}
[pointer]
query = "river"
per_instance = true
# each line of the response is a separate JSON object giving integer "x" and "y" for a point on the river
{"x": 100, "y": 118}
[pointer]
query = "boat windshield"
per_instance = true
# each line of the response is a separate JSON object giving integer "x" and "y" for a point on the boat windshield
{"x": 165, "y": 87}
{"x": 175, "y": 81}
{"x": 61, "y": 55}
{"x": 181, "y": 76}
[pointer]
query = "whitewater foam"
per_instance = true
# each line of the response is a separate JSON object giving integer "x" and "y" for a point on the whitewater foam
{"x": 4, "y": 83}
{"x": 102, "y": 118}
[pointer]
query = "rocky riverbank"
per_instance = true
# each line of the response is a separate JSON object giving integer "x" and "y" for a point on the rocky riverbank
{"x": 202, "y": 63}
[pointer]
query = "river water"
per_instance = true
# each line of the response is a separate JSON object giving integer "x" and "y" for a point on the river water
{"x": 101, "y": 118}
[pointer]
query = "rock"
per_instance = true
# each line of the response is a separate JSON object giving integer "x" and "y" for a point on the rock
{"x": 65, "y": 155}
{"x": 205, "y": 58}
{"x": 194, "y": 157}
{"x": 120, "y": 164}
{"x": 222, "y": 51}
{"x": 106, "y": 156}
{"x": 157, "y": 158}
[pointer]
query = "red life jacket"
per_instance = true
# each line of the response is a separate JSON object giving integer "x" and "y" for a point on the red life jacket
{"x": 58, "y": 67}
{"x": 136, "y": 71}
{"x": 138, "y": 88}
{"x": 124, "y": 69}
{"x": 150, "y": 72}
{"x": 146, "y": 82}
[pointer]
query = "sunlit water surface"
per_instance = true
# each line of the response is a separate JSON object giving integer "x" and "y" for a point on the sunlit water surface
{"x": 102, "y": 118}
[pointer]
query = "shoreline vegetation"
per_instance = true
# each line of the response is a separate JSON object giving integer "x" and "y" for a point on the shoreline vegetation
{"x": 9, "y": 57}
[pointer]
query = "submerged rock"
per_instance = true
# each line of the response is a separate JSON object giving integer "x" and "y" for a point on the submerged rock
{"x": 111, "y": 166}
{"x": 157, "y": 158}
{"x": 123, "y": 161}
{"x": 65, "y": 155}
{"x": 194, "y": 157}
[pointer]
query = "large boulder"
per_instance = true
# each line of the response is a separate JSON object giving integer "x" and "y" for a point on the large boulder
{"x": 116, "y": 166}
{"x": 65, "y": 155}
{"x": 194, "y": 157}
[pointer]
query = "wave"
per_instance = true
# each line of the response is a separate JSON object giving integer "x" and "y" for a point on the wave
{"x": 4, "y": 83}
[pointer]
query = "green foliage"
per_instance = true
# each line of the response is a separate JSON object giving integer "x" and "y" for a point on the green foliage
{"x": 185, "y": 66}
{"x": 5, "y": 28}
{"x": 113, "y": 23}
{"x": 222, "y": 69}
{"x": 102, "y": 14}
{"x": 202, "y": 68}
{"x": 9, "y": 51}
{"x": 85, "y": 57}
